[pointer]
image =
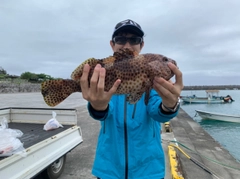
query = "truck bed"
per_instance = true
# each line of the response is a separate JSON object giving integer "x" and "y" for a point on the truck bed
{"x": 34, "y": 133}
{"x": 42, "y": 147}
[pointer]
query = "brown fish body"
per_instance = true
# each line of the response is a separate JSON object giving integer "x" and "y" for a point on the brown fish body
{"x": 135, "y": 71}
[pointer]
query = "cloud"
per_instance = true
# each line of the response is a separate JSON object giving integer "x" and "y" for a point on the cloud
{"x": 54, "y": 37}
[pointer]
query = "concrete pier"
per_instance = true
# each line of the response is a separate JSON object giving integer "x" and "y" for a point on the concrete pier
{"x": 192, "y": 135}
{"x": 184, "y": 130}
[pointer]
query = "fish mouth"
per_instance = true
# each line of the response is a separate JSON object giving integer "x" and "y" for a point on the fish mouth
{"x": 172, "y": 61}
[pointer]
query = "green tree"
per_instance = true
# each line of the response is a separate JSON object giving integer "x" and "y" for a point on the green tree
{"x": 32, "y": 77}
{"x": 2, "y": 71}
{"x": 26, "y": 75}
{"x": 44, "y": 77}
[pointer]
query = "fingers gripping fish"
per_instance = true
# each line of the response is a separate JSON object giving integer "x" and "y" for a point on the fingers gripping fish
{"x": 136, "y": 73}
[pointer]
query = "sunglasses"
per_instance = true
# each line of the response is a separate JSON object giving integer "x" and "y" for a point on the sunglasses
{"x": 121, "y": 40}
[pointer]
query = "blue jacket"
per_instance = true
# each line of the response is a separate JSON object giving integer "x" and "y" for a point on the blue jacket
{"x": 129, "y": 143}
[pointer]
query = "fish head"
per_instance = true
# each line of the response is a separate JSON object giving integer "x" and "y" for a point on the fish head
{"x": 159, "y": 66}
{"x": 171, "y": 60}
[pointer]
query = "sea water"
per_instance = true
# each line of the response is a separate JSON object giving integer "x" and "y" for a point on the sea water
{"x": 226, "y": 133}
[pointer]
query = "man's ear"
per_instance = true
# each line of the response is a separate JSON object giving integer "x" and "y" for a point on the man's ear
{"x": 112, "y": 44}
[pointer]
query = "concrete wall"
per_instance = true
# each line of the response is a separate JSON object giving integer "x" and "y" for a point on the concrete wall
{"x": 6, "y": 87}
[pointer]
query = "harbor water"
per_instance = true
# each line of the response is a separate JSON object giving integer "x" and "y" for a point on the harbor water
{"x": 226, "y": 133}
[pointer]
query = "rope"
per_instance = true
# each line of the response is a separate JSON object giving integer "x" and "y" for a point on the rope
{"x": 211, "y": 160}
{"x": 195, "y": 161}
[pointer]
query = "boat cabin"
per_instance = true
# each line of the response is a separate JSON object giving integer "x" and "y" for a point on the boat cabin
{"x": 212, "y": 93}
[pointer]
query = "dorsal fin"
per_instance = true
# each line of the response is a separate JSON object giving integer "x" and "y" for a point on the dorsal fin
{"x": 124, "y": 54}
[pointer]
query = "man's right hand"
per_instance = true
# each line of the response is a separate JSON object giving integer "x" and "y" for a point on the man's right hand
{"x": 94, "y": 92}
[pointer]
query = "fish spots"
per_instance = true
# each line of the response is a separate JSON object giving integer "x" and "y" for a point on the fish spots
{"x": 136, "y": 73}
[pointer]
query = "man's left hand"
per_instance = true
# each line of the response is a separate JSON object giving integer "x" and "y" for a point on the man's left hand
{"x": 169, "y": 91}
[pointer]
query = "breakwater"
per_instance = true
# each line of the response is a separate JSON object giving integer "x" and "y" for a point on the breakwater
{"x": 214, "y": 87}
{"x": 6, "y": 87}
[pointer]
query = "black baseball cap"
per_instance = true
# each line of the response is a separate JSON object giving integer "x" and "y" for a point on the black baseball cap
{"x": 128, "y": 25}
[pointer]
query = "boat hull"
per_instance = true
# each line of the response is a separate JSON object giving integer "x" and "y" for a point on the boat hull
{"x": 202, "y": 101}
{"x": 218, "y": 116}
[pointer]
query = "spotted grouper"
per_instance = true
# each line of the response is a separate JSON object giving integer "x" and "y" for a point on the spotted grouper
{"x": 136, "y": 73}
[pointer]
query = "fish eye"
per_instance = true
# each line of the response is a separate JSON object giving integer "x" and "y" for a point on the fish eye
{"x": 165, "y": 59}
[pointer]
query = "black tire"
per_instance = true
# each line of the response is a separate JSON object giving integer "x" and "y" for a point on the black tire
{"x": 55, "y": 170}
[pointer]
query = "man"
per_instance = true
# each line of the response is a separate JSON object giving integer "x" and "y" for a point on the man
{"x": 129, "y": 143}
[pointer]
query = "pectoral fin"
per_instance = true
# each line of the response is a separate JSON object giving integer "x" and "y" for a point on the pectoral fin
{"x": 147, "y": 95}
{"x": 134, "y": 97}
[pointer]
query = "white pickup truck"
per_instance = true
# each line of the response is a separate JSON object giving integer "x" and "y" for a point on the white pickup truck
{"x": 45, "y": 150}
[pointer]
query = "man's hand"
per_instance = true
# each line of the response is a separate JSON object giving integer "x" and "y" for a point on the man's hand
{"x": 169, "y": 91}
{"x": 94, "y": 92}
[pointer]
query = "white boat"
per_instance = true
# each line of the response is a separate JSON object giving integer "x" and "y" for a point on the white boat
{"x": 203, "y": 101}
{"x": 218, "y": 116}
{"x": 209, "y": 99}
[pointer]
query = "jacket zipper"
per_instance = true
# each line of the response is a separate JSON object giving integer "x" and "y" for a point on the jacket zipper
{"x": 126, "y": 139}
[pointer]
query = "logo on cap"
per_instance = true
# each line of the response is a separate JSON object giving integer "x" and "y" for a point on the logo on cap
{"x": 128, "y": 24}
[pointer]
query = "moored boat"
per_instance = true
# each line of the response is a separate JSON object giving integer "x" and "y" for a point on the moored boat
{"x": 206, "y": 100}
{"x": 218, "y": 116}
{"x": 210, "y": 99}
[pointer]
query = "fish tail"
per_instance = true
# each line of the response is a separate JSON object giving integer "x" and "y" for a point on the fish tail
{"x": 55, "y": 91}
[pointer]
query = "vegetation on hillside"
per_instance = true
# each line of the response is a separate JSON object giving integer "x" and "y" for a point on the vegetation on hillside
{"x": 26, "y": 76}
{"x": 3, "y": 73}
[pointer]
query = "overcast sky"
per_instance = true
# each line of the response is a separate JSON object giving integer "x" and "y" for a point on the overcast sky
{"x": 54, "y": 37}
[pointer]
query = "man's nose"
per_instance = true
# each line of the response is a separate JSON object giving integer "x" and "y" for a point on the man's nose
{"x": 127, "y": 45}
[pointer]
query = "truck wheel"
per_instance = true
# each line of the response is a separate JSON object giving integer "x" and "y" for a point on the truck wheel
{"x": 54, "y": 170}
